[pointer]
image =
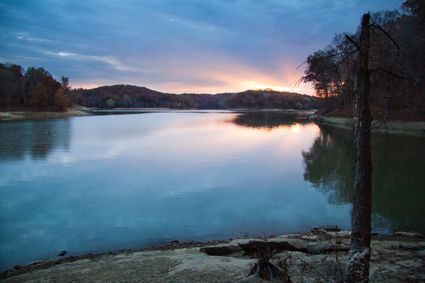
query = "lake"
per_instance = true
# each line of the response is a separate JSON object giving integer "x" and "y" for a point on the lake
{"x": 100, "y": 183}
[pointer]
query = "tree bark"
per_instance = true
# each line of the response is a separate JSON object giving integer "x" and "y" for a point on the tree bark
{"x": 357, "y": 269}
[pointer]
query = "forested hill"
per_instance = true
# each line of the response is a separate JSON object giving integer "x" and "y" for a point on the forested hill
{"x": 130, "y": 96}
{"x": 36, "y": 89}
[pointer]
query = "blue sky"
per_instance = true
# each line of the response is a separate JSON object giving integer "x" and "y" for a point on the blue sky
{"x": 176, "y": 46}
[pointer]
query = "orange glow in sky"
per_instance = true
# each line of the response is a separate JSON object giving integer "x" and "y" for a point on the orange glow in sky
{"x": 237, "y": 86}
{"x": 225, "y": 75}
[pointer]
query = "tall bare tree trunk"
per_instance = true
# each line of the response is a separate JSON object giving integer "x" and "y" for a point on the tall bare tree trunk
{"x": 357, "y": 269}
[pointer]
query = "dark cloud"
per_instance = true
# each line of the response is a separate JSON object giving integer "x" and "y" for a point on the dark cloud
{"x": 185, "y": 45}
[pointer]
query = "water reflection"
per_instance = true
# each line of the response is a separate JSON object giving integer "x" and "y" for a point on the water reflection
{"x": 398, "y": 179}
{"x": 33, "y": 138}
{"x": 265, "y": 119}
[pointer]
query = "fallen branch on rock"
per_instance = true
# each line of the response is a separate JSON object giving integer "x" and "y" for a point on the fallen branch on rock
{"x": 263, "y": 267}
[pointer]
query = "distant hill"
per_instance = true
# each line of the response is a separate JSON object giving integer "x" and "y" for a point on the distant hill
{"x": 130, "y": 96}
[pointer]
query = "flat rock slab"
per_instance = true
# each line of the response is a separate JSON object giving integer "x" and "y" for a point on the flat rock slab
{"x": 394, "y": 259}
{"x": 319, "y": 248}
{"x": 181, "y": 265}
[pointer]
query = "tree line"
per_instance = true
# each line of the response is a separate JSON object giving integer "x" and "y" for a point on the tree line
{"x": 128, "y": 96}
{"x": 36, "y": 89}
{"x": 33, "y": 88}
{"x": 396, "y": 61}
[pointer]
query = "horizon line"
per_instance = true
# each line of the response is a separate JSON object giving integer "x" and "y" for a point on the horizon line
{"x": 194, "y": 92}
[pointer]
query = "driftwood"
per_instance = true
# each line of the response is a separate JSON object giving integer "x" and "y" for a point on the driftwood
{"x": 252, "y": 247}
{"x": 220, "y": 250}
{"x": 263, "y": 267}
{"x": 263, "y": 252}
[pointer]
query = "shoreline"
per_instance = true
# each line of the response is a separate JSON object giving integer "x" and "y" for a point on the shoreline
{"x": 43, "y": 264}
{"x": 400, "y": 255}
{"x": 397, "y": 127}
{"x": 15, "y": 115}
{"x": 21, "y": 115}
{"x": 391, "y": 127}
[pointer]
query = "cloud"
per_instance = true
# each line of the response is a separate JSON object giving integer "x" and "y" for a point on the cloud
{"x": 176, "y": 45}
{"x": 195, "y": 25}
{"x": 105, "y": 59}
{"x": 24, "y": 36}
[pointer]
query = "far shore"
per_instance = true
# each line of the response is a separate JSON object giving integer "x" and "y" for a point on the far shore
{"x": 314, "y": 256}
{"x": 159, "y": 109}
{"x": 391, "y": 126}
{"x": 13, "y": 115}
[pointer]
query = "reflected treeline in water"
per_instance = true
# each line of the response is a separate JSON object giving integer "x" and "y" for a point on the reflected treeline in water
{"x": 265, "y": 119}
{"x": 398, "y": 175}
{"x": 33, "y": 138}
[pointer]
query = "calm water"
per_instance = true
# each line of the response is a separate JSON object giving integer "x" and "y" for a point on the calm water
{"x": 98, "y": 183}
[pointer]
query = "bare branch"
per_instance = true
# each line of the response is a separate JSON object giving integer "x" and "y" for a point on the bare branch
{"x": 329, "y": 56}
{"x": 352, "y": 41}
{"x": 387, "y": 34}
{"x": 404, "y": 93}
{"x": 387, "y": 72}
{"x": 299, "y": 66}
{"x": 397, "y": 96}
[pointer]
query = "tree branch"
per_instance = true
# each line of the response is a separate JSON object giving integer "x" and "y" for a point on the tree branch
{"x": 352, "y": 41}
{"x": 329, "y": 56}
{"x": 387, "y": 34}
{"x": 387, "y": 72}
{"x": 305, "y": 62}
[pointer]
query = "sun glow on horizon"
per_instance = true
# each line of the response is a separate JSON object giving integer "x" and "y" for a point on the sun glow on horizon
{"x": 225, "y": 74}
{"x": 253, "y": 85}
{"x": 221, "y": 78}
{"x": 85, "y": 85}
{"x": 178, "y": 88}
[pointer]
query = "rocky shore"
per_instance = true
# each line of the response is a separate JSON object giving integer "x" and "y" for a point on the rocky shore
{"x": 316, "y": 256}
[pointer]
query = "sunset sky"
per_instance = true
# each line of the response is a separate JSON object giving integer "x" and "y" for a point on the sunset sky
{"x": 176, "y": 46}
